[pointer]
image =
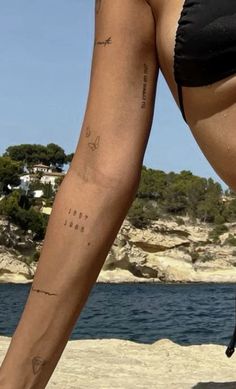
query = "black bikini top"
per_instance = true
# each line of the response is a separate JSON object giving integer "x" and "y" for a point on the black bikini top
{"x": 205, "y": 45}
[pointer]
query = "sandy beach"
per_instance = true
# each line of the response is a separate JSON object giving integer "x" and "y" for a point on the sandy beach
{"x": 121, "y": 364}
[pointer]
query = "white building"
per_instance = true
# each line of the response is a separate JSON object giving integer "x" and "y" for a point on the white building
{"x": 41, "y": 168}
{"x": 51, "y": 177}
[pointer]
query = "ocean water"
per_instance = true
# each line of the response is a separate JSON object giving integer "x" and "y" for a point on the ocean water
{"x": 184, "y": 313}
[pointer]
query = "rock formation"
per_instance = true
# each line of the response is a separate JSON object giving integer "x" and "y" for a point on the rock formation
{"x": 163, "y": 252}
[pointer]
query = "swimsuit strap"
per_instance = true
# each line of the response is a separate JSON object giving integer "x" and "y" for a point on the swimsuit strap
{"x": 181, "y": 103}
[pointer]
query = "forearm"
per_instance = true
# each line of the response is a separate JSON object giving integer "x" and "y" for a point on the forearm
{"x": 85, "y": 219}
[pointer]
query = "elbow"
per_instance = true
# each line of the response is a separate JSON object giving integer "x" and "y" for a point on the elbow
{"x": 116, "y": 180}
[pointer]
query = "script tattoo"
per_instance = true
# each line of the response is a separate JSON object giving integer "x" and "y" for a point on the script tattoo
{"x": 37, "y": 364}
{"x": 43, "y": 291}
{"x": 145, "y": 80}
{"x": 105, "y": 42}
{"x": 76, "y": 221}
{"x": 98, "y": 5}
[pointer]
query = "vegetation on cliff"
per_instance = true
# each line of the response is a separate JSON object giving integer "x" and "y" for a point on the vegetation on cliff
{"x": 160, "y": 195}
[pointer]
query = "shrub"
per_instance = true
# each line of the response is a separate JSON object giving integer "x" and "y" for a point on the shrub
{"x": 194, "y": 255}
{"x": 217, "y": 231}
{"x": 231, "y": 240}
{"x": 207, "y": 257}
{"x": 180, "y": 221}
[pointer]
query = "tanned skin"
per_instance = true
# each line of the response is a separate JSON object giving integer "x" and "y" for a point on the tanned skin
{"x": 96, "y": 192}
{"x": 132, "y": 39}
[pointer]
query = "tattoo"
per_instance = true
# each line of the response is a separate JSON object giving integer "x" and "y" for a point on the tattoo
{"x": 98, "y": 5}
{"x": 77, "y": 220}
{"x": 43, "y": 291}
{"x": 94, "y": 145}
{"x": 88, "y": 132}
{"x": 105, "y": 42}
{"x": 37, "y": 364}
{"x": 145, "y": 80}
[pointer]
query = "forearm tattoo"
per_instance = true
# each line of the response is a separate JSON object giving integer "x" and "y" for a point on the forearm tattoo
{"x": 93, "y": 144}
{"x": 43, "y": 291}
{"x": 37, "y": 364}
{"x": 76, "y": 220}
{"x": 104, "y": 43}
{"x": 98, "y": 6}
{"x": 145, "y": 81}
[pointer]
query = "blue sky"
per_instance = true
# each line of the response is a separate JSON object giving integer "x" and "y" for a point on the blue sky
{"x": 46, "y": 49}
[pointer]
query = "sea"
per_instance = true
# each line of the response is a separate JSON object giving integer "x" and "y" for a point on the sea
{"x": 188, "y": 314}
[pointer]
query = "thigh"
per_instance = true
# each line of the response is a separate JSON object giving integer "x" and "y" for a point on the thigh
{"x": 211, "y": 115}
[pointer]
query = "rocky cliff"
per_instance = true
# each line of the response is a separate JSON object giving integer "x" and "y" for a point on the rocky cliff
{"x": 163, "y": 252}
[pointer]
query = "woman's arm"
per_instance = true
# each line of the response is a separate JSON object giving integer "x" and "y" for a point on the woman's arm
{"x": 95, "y": 194}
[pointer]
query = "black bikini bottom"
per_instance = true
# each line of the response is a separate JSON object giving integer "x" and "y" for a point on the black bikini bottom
{"x": 205, "y": 45}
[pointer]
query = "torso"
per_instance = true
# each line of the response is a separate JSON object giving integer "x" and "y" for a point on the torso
{"x": 210, "y": 110}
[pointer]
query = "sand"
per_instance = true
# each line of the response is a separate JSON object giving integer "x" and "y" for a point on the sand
{"x": 121, "y": 364}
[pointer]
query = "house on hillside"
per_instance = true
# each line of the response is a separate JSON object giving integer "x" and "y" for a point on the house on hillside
{"x": 41, "y": 168}
{"x": 46, "y": 178}
{"x": 26, "y": 179}
{"x": 51, "y": 177}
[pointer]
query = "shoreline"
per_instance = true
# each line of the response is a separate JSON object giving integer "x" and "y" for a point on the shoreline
{"x": 141, "y": 282}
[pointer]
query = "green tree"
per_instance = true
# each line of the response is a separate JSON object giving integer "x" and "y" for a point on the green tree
{"x": 10, "y": 172}
{"x": 56, "y": 155}
{"x": 30, "y": 154}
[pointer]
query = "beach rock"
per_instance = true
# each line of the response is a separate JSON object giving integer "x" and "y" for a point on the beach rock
{"x": 163, "y": 252}
{"x": 122, "y": 364}
{"x": 12, "y": 269}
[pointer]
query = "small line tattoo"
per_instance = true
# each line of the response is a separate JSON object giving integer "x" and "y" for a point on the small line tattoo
{"x": 65, "y": 223}
{"x": 105, "y": 42}
{"x": 145, "y": 80}
{"x": 80, "y": 215}
{"x": 69, "y": 211}
{"x": 74, "y": 213}
{"x": 82, "y": 229}
{"x": 94, "y": 145}
{"x": 37, "y": 364}
{"x": 43, "y": 291}
{"x": 71, "y": 224}
{"x": 76, "y": 227}
{"x": 87, "y": 132}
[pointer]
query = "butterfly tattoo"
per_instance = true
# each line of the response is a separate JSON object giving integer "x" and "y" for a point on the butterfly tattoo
{"x": 94, "y": 145}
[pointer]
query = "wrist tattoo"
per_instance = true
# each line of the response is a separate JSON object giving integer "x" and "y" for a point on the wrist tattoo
{"x": 37, "y": 364}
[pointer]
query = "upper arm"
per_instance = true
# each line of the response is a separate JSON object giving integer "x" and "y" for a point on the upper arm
{"x": 122, "y": 87}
